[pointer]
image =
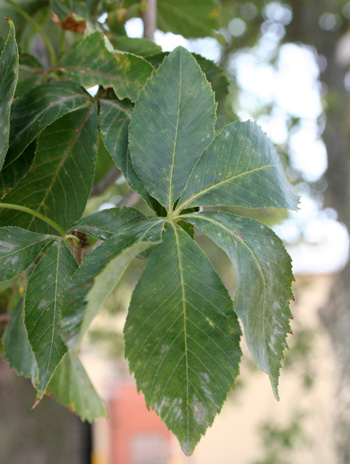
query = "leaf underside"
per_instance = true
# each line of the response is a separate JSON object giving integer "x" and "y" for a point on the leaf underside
{"x": 180, "y": 323}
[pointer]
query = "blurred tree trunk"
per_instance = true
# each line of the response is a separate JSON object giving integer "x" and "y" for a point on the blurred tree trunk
{"x": 336, "y": 314}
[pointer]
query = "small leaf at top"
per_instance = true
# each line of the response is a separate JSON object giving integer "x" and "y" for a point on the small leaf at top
{"x": 90, "y": 63}
{"x": 72, "y": 387}
{"x": 61, "y": 177}
{"x": 182, "y": 337}
{"x": 195, "y": 18}
{"x": 8, "y": 81}
{"x": 263, "y": 280}
{"x": 39, "y": 108}
{"x": 18, "y": 250}
{"x": 172, "y": 123}
{"x": 240, "y": 168}
{"x": 45, "y": 288}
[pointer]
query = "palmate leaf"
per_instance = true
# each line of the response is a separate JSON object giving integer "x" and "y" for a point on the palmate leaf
{"x": 182, "y": 337}
{"x": 61, "y": 177}
{"x": 90, "y": 63}
{"x": 18, "y": 250}
{"x": 49, "y": 279}
{"x": 35, "y": 111}
{"x": 240, "y": 168}
{"x": 172, "y": 123}
{"x": 72, "y": 387}
{"x": 9, "y": 75}
{"x": 82, "y": 300}
{"x": 197, "y": 18}
{"x": 263, "y": 283}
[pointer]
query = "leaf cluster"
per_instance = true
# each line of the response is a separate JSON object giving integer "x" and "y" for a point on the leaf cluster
{"x": 157, "y": 118}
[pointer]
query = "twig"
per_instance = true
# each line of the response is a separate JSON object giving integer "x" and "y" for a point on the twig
{"x": 5, "y": 317}
{"x": 106, "y": 182}
{"x": 130, "y": 199}
{"x": 150, "y": 19}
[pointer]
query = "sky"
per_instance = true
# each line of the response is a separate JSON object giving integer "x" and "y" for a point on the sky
{"x": 317, "y": 242}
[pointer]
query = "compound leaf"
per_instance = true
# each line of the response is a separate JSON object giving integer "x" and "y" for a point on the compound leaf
{"x": 18, "y": 250}
{"x": 182, "y": 337}
{"x": 240, "y": 168}
{"x": 172, "y": 123}
{"x": 49, "y": 279}
{"x": 72, "y": 387}
{"x": 263, "y": 283}
{"x": 9, "y": 76}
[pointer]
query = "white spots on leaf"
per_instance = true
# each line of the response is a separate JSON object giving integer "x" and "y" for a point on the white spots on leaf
{"x": 205, "y": 376}
{"x": 7, "y": 246}
{"x": 210, "y": 322}
{"x": 276, "y": 305}
{"x": 42, "y": 304}
{"x": 199, "y": 411}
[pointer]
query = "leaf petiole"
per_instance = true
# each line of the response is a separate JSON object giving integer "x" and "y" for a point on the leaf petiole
{"x": 24, "y": 209}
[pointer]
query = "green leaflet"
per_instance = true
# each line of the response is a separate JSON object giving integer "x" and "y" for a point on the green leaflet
{"x": 82, "y": 301}
{"x": 72, "y": 387}
{"x": 18, "y": 250}
{"x": 108, "y": 222}
{"x": 61, "y": 177}
{"x": 90, "y": 63}
{"x": 172, "y": 123}
{"x": 264, "y": 276}
{"x": 240, "y": 168}
{"x": 215, "y": 74}
{"x": 49, "y": 279}
{"x": 141, "y": 47}
{"x": 195, "y": 18}
{"x": 114, "y": 119}
{"x": 14, "y": 172}
{"x": 38, "y": 109}
{"x": 9, "y": 75}
{"x": 17, "y": 349}
{"x": 180, "y": 323}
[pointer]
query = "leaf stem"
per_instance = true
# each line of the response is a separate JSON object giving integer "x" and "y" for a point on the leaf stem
{"x": 24, "y": 209}
{"x": 40, "y": 31}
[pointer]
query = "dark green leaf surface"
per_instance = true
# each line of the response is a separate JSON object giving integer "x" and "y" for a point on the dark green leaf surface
{"x": 38, "y": 109}
{"x": 72, "y": 387}
{"x": 111, "y": 259}
{"x": 182, "y": 337}
{"x": 240, "y": 168}
{"x": 14, "y": 172}
{"x": 8, "y": 80}
{"x": 114, "y": 122}
{"x": 104, "y": 224}
{"x": 90, "y": 63}
{"x": 61, "y": 177}
{"x": 18, "y": 250}
{"x": 46, "y": 284}
{"x": 264, "y": 276}
{"x": 17, "y": 349}
{"x": 172, "y": 123}
{"x": 195, "y": 18}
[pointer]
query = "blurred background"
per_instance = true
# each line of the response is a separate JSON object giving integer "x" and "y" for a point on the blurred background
{"x": 288, "y": 64}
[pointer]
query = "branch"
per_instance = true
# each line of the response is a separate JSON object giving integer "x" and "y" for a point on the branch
{"x": 106, "y": 182}
{"x": 150, "y": 19}
{"x": 5, "y": 317}
{"x": 130, "y": 199}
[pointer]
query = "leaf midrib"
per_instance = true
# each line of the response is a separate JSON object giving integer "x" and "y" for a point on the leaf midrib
{"x": 183, "y": 294}
{"x": 224, "y": 181}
